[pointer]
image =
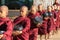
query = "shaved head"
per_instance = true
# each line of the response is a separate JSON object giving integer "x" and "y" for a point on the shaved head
{"x": 5, "y": 8}
{"x": 25, "y": 8}
{"x": 34, "y": 7}
{"x": 40, "y": 7}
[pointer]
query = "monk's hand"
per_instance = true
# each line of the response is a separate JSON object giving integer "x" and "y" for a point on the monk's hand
{"x": 39, "y": 24}
{"x": 17, "y": 33}
{"x": 14, "y": 33}
{"x": 1, "y": 36}
{"x": 20, "y": 32}
{"x": 54, "y": 20}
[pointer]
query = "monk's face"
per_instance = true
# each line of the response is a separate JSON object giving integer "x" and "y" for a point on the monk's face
{"x": 4, "y": 11}
{"x": 58, "y": 8}
{"x": 40, "y": 7}
{"x": 23, "y": 11}
{"x": 52, "y": 7}
{"x": 33, "y": 10}
{"x": 0, "y": 13}
{"x": 56, "y": 1}
{"x": 55, "y": 7}
{"x": 49, "y": 8}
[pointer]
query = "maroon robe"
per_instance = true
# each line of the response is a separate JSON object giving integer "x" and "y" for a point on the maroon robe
{"x": 55, "y": 17}
{"x": 33, "y": 28}
{"x": 7, "y": 26}
{"x": 50, "y": 25}
{"x": 58, "y": 18}
{"x": 43, "y": 28}
{"x": 41, "y": 12}
{"x": 26, "y": 27}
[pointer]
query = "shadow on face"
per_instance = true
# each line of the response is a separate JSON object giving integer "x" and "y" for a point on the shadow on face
{"x": 33, "y": 9}
{"x": 23, "y": 11}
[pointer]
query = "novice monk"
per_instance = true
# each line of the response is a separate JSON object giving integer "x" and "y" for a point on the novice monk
{"x": 22, "y": 25}
{"x": 6, "y": 25}
{"x": 58, "y": 16}
{"x": 52, "y": 8}
{"x": 34, "y": 16}
{"x": 54, "y": 18}
{"x": 40, "y": 9}
{"x": 43, "y": 27}
{"x": 50, "y": 24}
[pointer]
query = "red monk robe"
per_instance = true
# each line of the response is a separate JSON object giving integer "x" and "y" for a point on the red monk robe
{"x": 58, "y": 19}
{"x": 54, "y": 15}
{"x": 26, "y": 27}
{"x": 6, "y": 25}
{"x": 43, "y": 28}
{"x": 55, "y": 19}
{"x": 41, "y": 12}
{"x": 33, "y": 28}
{"x": 50, "y": 25}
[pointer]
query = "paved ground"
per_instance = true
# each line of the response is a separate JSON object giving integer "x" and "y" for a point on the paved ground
{"x": 54, "y": 37}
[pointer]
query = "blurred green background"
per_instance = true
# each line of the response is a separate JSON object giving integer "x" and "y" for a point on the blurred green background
{"x": 16, "y": 4}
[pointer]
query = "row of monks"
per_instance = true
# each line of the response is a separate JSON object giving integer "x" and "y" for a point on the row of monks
{"x": 30, "y": 23}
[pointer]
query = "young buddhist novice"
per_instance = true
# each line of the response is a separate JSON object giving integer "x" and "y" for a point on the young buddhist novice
{"x": 50, "y": 24}
{"x": 58, "y": 17}
{"x": 52, "y": 8}
{"x": 33, "y": 15}
{"x": 55, "y": 7}
{"x": 43, "y": 27}
{"x": 54, "y": 16}
{"x": 40, "y": 9}
{"x": 22, "y": 25}
{"x": 6, "y": 25}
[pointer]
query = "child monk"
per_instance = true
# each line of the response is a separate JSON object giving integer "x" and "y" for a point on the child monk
{"x": 22, "y": 25}
{"x": 41, "y": 9}
{"x": 50, "y": 24}
{"x": 33, "y": 15}
{"x": 6, "y": 25}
